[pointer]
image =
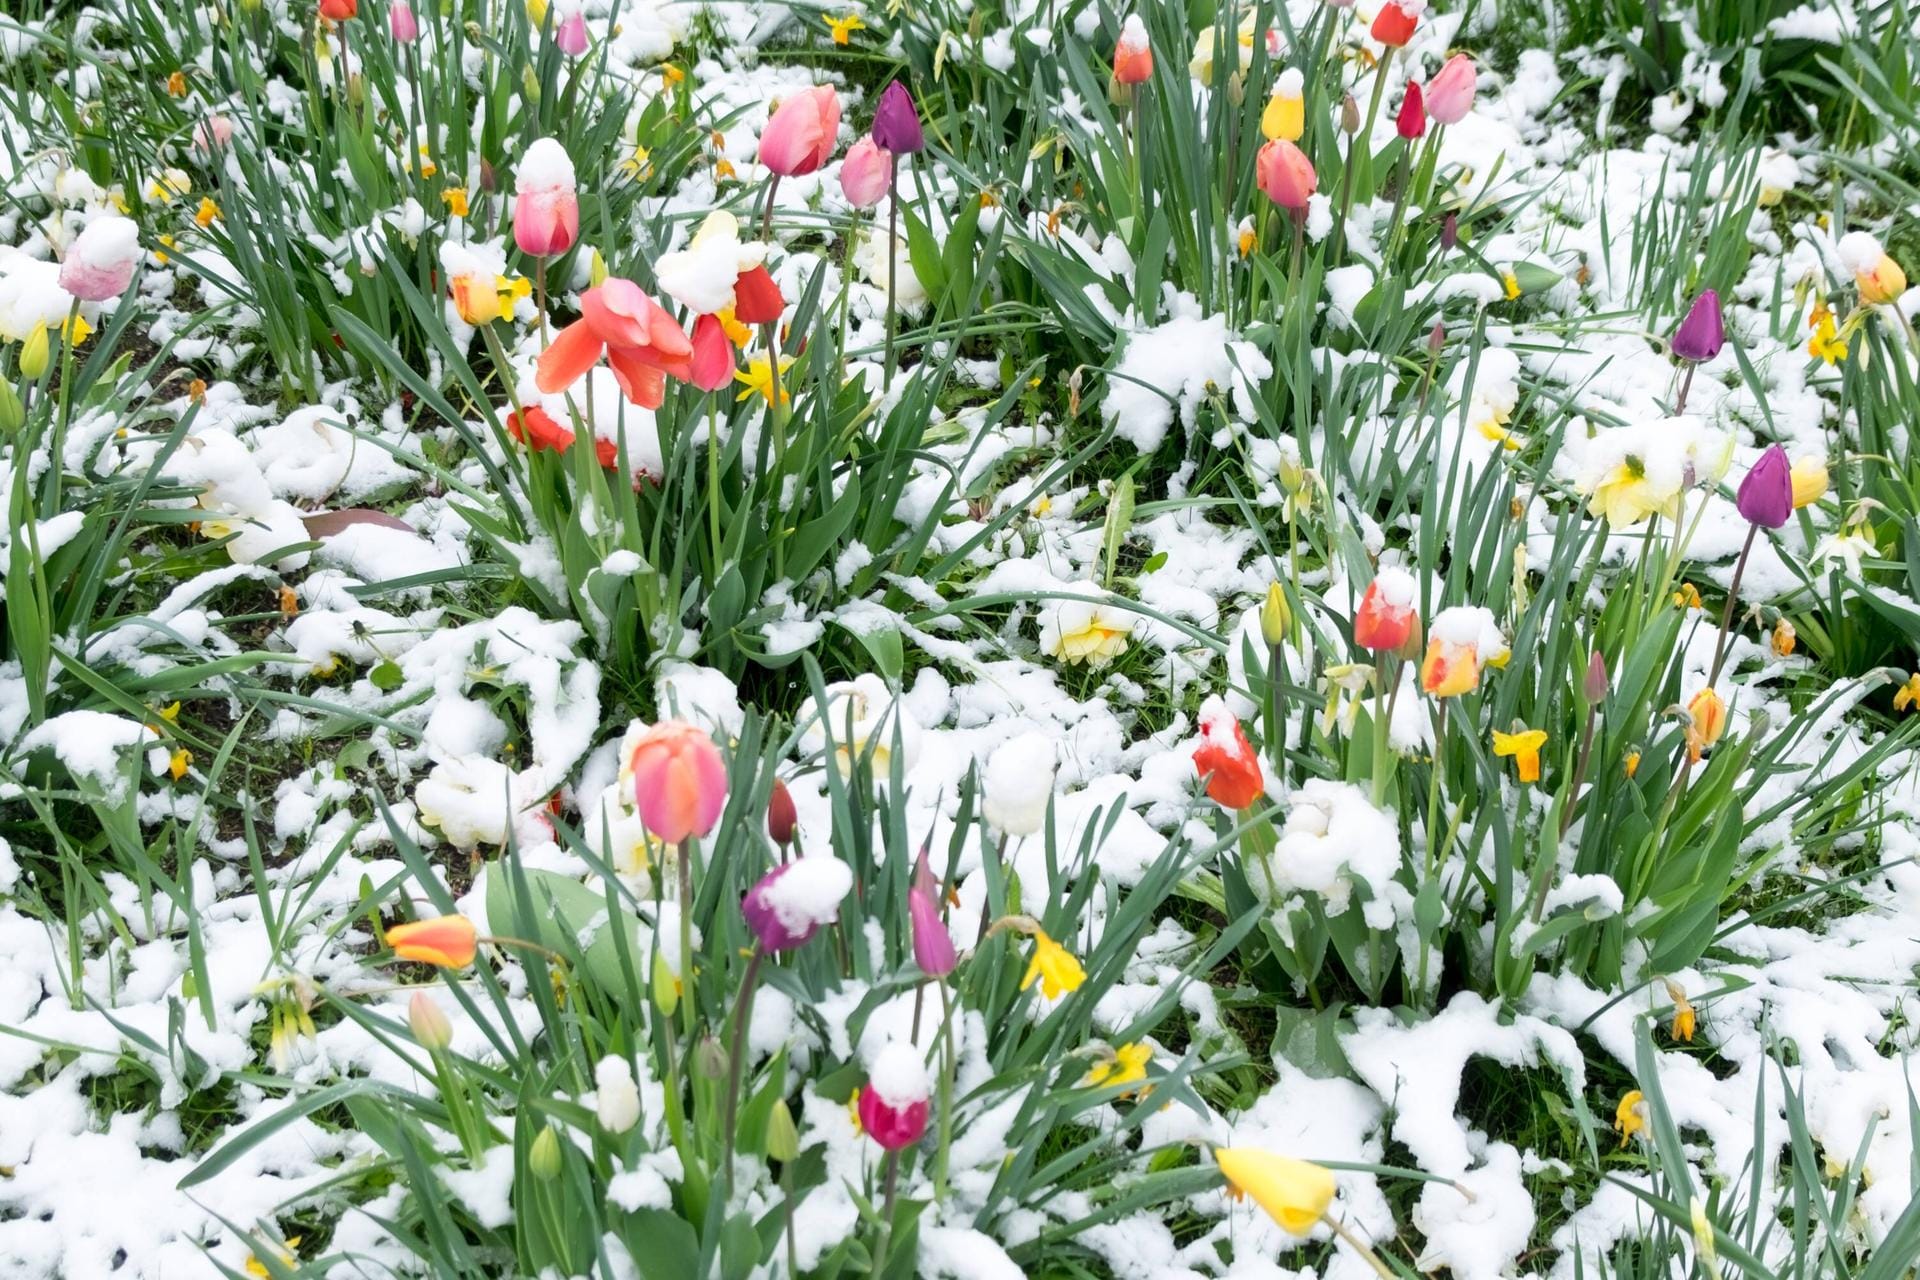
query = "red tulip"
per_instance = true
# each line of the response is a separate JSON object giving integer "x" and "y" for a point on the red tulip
{"x": 1394, "y": 24}
{"x": 1386, "y": 618}
{"x": 1226, "y": 759}
{"x": 1412, "y": 122}
{"x": 756, "y": 298}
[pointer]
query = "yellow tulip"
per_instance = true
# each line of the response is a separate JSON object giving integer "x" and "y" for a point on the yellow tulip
{"x": 1295, "y": 1193}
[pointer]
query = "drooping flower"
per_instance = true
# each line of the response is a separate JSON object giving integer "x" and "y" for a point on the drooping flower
{"x": 546, "y": 209}
{"x": 1286, "y": 113}
{"x": 679, "y": 780}
{"x": 864, "y": 173}
{"x": 1226, "y": 760}
{"x": 1079, "y": 631}
{"x": 1386, "y": 618}
{"x": 1285, "y": 174}
{"x": 99, "y": 263}
{"x": 1295, "y": 1193}
{"x": 616, "y": 1096}
{"x": 1053, "y": 967}
{"x": 796, "y": 900}
{"x": 800, "y": 134}
{"x": 1524, "y": 746}
{"x": 1132, "y": 54}
{"x": 535, "y": 428}
{"x": 1908, "y": 694}
{"x": 896, "y": 121}
{"x": 843, "y": 27}
{"x": 1706, "y": 721}
{"x": 641, "y": 342}
{"x": 1128, "y": 1065}
{"x": 1683, "y": 1014}
{"x": 447, "y": 942}
{"x": 1784, "y": 638}
{"x": 1632, "y": 473}
{"x": 1765, "y": 497}
{"x": 1411, "y": 123}
{"x": 897, "y": 1097}
{"x": 1450, "y": 92}
{"x": 1017, "y": 784}
{"x": 1393, "y": 25}
{"x": 1461, "y": 641}
{"x": 1878, "y": 277}
{"x": 933, "y": 948}
{"x": 1702, "y": 331}
{"x": 1630, "y": 1117}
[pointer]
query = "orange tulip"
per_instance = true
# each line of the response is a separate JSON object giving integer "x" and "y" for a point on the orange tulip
{"x": 448, "y": 942}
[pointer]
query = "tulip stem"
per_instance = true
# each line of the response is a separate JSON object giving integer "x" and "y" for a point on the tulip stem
{"x": 893, "y": 258}
{"x": 713, "y": 480}
{"x": 742, "y": 1010}
{"x": 1686, "y": 385}
{"x": 886, "y": 1213}
{"x": 540, "y": 296}
{"x": 1733, "y": 596}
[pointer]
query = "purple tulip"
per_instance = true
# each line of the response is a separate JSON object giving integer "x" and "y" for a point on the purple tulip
{"x": 1702, "y": 334}
{"x": 896, "y": 121}
{"x": 791, "y": 902}
{"x": 932, "y": 944}
{"x": 1766, "y": 495}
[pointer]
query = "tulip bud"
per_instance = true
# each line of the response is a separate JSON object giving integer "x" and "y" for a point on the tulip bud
{"x": 544, "y": 1158}
{"x": 598, "y": 275}
{"x": 1349, "y": 115}
{"x": 12, "y": 414}
{"x": 1450, "y": 231}
{"x": 33, "y": 352}
{"x": 1276, "y": 619}
{"x": 1437, "y": 338}
{"x": 783, "y": 1136}
{"x": 666, "y": 987}
{"x": 709, "y": 1058}
{"x": 1595, "y": 685}
{"x": 1237, "y": 89}
{"x": 431, "y": 1030}
{"x": 1809, "y": 480}
{"x": 781, "y": 815}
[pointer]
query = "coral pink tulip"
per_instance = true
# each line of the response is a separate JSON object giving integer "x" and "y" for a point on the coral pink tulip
{"x": 1285, "y": 174}
{"x": 1132, "y": 55}
{"x": 864, "y": 173}
{"x": 642, "y": 344}
{"x": 713, "y": 366}
{"x": 679, "y": 781}
{"x": 1450, "y": 93}
{"x": 1386, "y": 618}
{"x": 800, "y": 135}
{"x": 401, "y": 24}
{"x": 546, "y": 210}
{"x": 339, "y": 10}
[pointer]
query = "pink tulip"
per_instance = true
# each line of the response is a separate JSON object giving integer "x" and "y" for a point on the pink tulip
{"x": 864, "y": 173}
{"x": 213, "y": 132}
{"x": 932, "y": 944}
{"x": 99, "y": 263}
{"x": 570, "y": 37}
{"x": 1285, "y": 174}
{"x": 401, "y": 24}
{"x": 1450, "y": 93}
{"x": 643, "y": 345}
{"x": 546, "y": 212}
{"x": 712, "y": 369}
{"x": 800, "y": 135}
{"x": 897, "y": 1098}
{"x": 679, "y": 781}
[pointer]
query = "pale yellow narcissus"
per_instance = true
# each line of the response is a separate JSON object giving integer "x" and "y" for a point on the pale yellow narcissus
{"x": 1079, "y": 631}
{"x": 1295, "y": 1193}
{"x": 1627, "y": 495}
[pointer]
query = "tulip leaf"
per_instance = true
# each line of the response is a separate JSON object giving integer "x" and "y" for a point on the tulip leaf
{"x": 561, "y": 913}
{"x": 1119, "y": 520}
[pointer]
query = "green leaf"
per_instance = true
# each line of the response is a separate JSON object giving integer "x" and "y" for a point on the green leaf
{"x": 386, "y": 676}
{"x": 1119, "y": 520}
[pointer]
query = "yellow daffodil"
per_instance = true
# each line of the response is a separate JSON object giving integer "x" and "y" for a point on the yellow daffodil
{"x": 1078, "y": 631}
{"x": 169, "y": 184}
{"x": 1626, "y": 496}
{"x": 1784, "y": 639}
{"x": 1295, "y": 1193}
{"x": 255, "y": 1267}
{"x": 1826, "y": 344}
{"x": 1707, "y": 720}
{"x": 738, "y": 334}
{"x": 178, "y": 763}
{"x": 1630, "y": 1116}
{"x": 1632, "y": 763}
{"x": 177, "y": 85}
{"x": 1907, "y": 695}
{"x": 638, "y": 165}
{"x": 844, "y": 27}
{"x": 757, "y": 377}
{"x": 1053, "y": 967}
{"x": 1683, "y": 1017}
{"x": 1127, "y": 1066}
{"x": 1687, "y": 596}
{"x": 1524, "y": 746}
{"x": 1511, "y": 283}
{"x": 455, "y": 198}
{"x": 204, "y": 216}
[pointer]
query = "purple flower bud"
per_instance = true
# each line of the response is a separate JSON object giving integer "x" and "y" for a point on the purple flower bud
{"x": 1450, "y": 231}
{"x": 1702, "y": 334}
{"x": 932, "y": 944}
{"x": 791, "y": 903}
{"x": 1595, "y": 686}
{"x": 896, "y": 121}
{"x": 1766, "y": 495}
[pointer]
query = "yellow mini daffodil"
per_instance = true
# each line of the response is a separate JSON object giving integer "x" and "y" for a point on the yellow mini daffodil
{"x": 178, "y": 763}
{"x": 1295, "y": 1193}
{"x": 1524, "y": 746}
{"x": 757, "y": 377}
{"x": 1907, "y": 695}
{"x": 1127, "y": 1066}
{"x": 255, "y": 1267}
{"x": 1784, "y": 639}
{"x": 1687, "y": 596}
{"x": 843, "y": 27}
{"x": 1683, "y": 1017}
{"x": 177, "y": 85}
{"x": 1826, "y": 345}
{"x": 1632, "y": 763}
{"x": 205, "y": 215}
{"x": 455, "y": 198}
{"x": 1053, "y": 967}
{"x": 1630, "y": 1116}
{"x": 1511, "y": 283}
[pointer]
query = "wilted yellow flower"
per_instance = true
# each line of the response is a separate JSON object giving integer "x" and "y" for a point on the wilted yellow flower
{"x": 1295, "y": 1193}
{"x": 1127, "y": 1066}
{"x": 1908, "y": 694}
{"x": 1683, "y": 1019}
{"x": 1707, "y": 721}
{"x": 1687, "y": 596}
{"x": 455, "y": 198}
{"x": 206, "y": 213}
{"x": 178, "y": 763}
{"x": 1630, "y": 1117}
{"x": 1053, "y": 967}
{"x": 1524, "y": 747}
{"x": 1632, "y": 763}
{"x": 1511, "y": 283}
{"x": 1784, "y": 639}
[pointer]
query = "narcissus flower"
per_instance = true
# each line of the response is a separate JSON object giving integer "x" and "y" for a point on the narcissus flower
{"x": 1460, "y": 642}
{"x": 1784, "y": 638}
{"x": 843, "y": 27}
{"x": 796, "y": 900}
{"x": 1702, "y": 331}
{"x": 1285, "y": 175}
{"x": 1077, "y": 631}
{"x": 1878, "y": 277}
{"x": 861, "y": 718}
{"x": 1295, "y": 1193}
{"x": 1393, "y": 25}
{"x": 1907, "y": 696}
{"x": 447, "y": 942}
{"x": 1631, "y": 475}
{"x": 757, "y": 378}
{"x": 1053, "y": 967}
{"x": 864, "y": 173}
{"x": 1630, "y": 1117}
{"x": 1132, "y": 55}
{"x": 642, "y": 344}
{"x": 1826, "y": 345}
{"x": 1226, "y": 760}
{"x": 1706, "y": 721}
{"x": 546, "y": 210}
{"x": 800, "y": 134}
{"x": 1286, "y": 113}
{"x": 1765, "y": 497}
{"x": 679, "y": 780}
{"x": 1386, "y": 618}
{"x": 1683, "y": 1015}
{"x": 898, "y": 1095}
{"x": 1450, "y": 92}
{"x": 1524, "y": 746}
{"x": 1128, "y": 1065}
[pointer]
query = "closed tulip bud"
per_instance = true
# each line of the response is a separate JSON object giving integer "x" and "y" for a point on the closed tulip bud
{"x": 1276, "y": 619}
{"x": 34, "y": 352}
{"x": 1226, "y": 760}
{"x": 864, "y": 173}
{"x": 1286, "y": 175}
{"x": 783, "y": 1136}
{"x": 896, "y": 121}
{"x": 1703, "y": 332}
{"x": 401, "y": 24}
{"x": 679, "y": 780}
{"x": 1237, "y": 89}
{"x": 897, "y": 1098}
{"x": 431, "y": 1030}
{"x": 1349, "y": 115}
{"x": 710, "y": 1058}
{"x": 13, "y": 414}
{"x": 1411, "y": 123}
{"x": 1450, "y": 231}
{"x": 782, "y": 817}
{"x": 1132, "y": 55}
{"x": 546, "y": 208}
{"x": 1809, "y": 481}
{"x": 1765, "y": 497}
{"x": 1595, "y": 685}
{"x": 570, "y": 37}
{"x": 1286, "y": 115}
{"x": 666, "y": 987}
{"x": 1386, "y": 619}
{"x": 933, "y": 949}
{"x": 544, "y": 1158}
{"x": 339, "y": 10}
{"x": 1437, "y": 338}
